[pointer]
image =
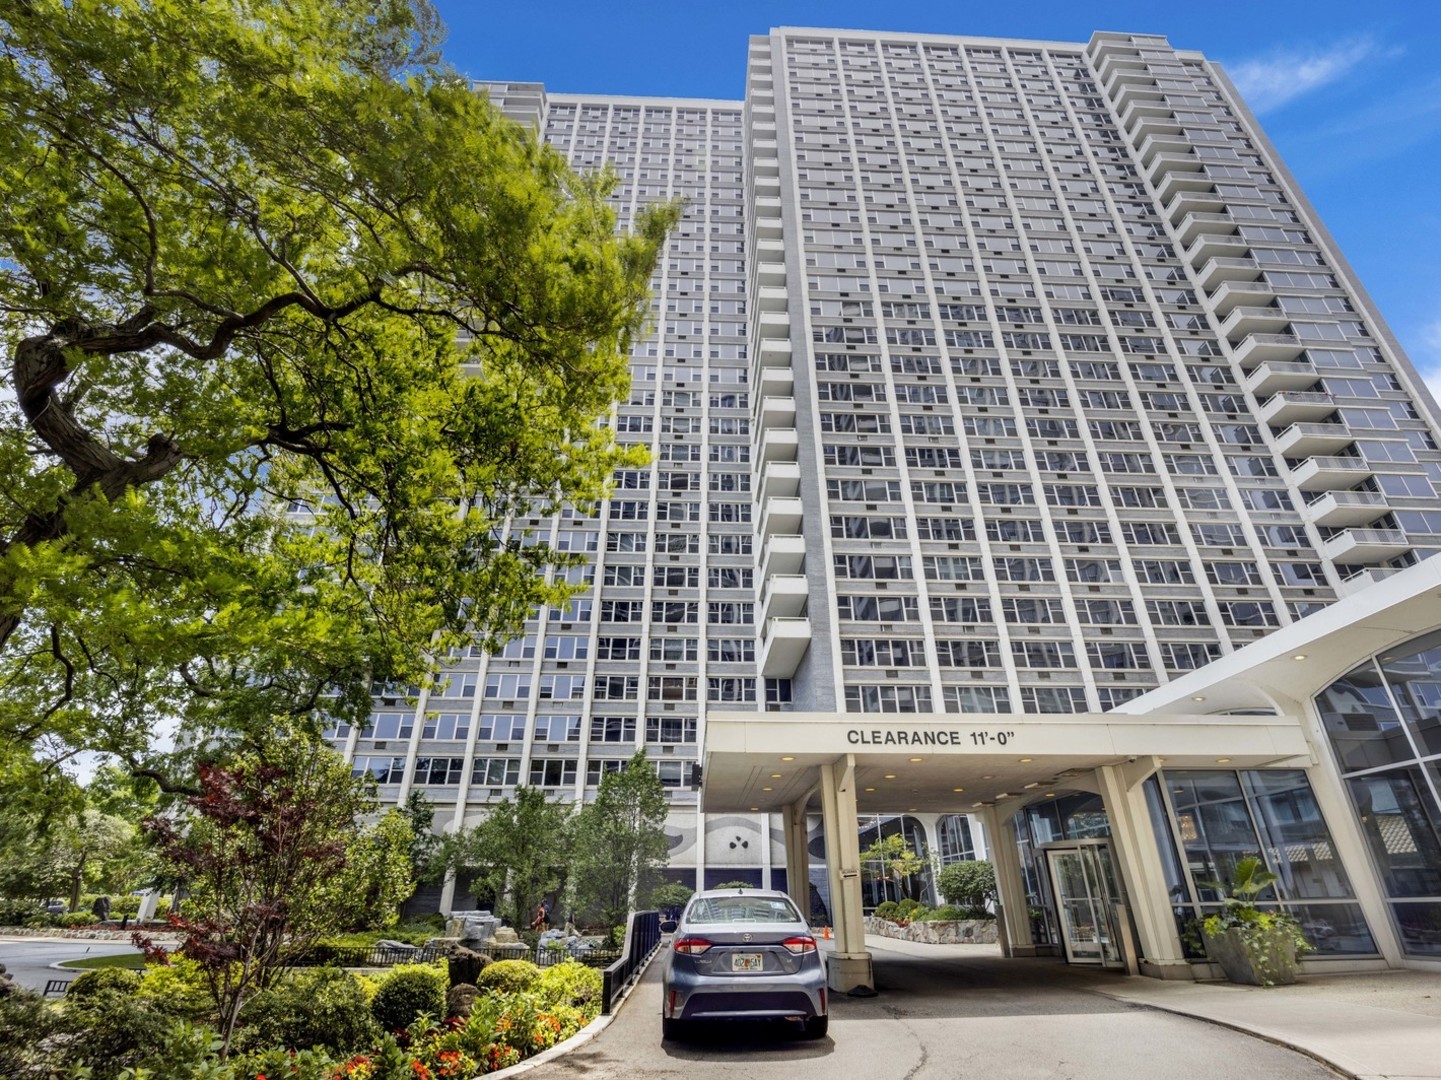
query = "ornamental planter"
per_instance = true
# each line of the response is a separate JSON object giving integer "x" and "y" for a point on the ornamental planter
{"x": 1265, "y": 958}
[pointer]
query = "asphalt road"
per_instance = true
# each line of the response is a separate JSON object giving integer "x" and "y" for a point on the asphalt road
{"x": 939, "y": 1019}
{"x": 28, "y": 961}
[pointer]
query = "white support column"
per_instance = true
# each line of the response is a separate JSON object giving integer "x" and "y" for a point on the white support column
{"x": 1016, "y": 938}
{"x": 797, "y": 857}
{"x": 1142, "y": 873}
{"x": 849, "y": 967}
{"x": 765, "y": 851}
{"x": 930, "y": 827}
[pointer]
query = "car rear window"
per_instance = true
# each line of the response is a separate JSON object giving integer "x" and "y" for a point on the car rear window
{"x": 761, "y": 909}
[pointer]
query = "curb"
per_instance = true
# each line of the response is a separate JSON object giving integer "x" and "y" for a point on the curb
{"x": 580, "y": 1038}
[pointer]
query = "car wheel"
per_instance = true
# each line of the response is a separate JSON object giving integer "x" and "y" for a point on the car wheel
{"x": 817, "y": 1026}
{"x": 670, "y": 1029}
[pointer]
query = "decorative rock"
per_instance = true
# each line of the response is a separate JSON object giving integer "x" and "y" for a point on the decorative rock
{"x": 471, "y": 925}
{"x": 460, "y": 999}
{"x": 958, "y": 932}
{"x": 504, "y": 935}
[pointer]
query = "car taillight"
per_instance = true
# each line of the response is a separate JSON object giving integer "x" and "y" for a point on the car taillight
{"x": 693, "y": 946}
{"x": 801, "y": 944}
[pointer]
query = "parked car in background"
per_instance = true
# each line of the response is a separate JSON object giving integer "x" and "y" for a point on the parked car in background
{"x": 743, "y": 954}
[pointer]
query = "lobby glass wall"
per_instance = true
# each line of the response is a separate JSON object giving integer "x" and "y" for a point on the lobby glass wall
{"x": 1208, "y": 820}
{"x": 1384, "y": 722}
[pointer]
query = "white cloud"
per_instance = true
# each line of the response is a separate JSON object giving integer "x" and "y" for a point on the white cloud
{"x": 1278, "y": 77}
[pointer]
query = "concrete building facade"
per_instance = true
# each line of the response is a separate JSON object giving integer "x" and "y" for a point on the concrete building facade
{"x": 1003, "y": 384}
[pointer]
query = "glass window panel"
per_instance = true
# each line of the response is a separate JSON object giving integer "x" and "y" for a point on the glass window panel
{"x": 1403, "y": 828}
{"x": 1334, "y": 929}
{"x": 1214, "y": 826}
{"x": 1420, "y": 926}
{"x": 1298, "y": 844}
{"x": 1416, "y": 682}
{"x": 1362, "y": 722}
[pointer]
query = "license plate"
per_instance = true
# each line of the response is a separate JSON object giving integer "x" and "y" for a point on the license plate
{"x": 746, "y": 961}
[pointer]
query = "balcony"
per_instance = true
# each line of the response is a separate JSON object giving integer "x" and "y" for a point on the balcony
{"x": 1329, "y": 473}
{"x": 1343, "y": 509}
{"x": 772, "y": 324}
{"x": 1364, "y": 579}
{"x": 1365, "y": 545}
{"x": 1258, "y": 348}
{"x": 784, "y": 596}
{"x": 1118, "y": 61}
{"x": 1194, "y": 202}
{"x": 777, "y": 444}
{"x": 781, "y": 516}
{"x": 1162, "y": 143}
{"x": 774, "y": 353}
{"x": 1147, "y": 127}
{"x": 1306, "y": 440}
{"x": 784, "y": 553}
{"x": 1267, "y": 379}
{"x": 1142, "y": 108}
{"x": 780, "y": 478}
{"x": 1196, "y": 223}
{"x": 1296, "y": 406}
{"x": 1146, "y": 92}
{"x": 1175, "y": 161}
{"x": 1216, "y": 246}
{"x": 1219, "y": 271}
{"x": 1247, "y": 319}
{"x": 1105, "y": 44}
{"x": 1233, "y": 293}
{"x": 1122, "y": 77}
{"x": 768, "y": 216}
{"x": 763, "y": 186}
{"x": 772, "y": 298}
{"x": 1178, "y": 180}
{"x": 775, "y": 382}
{"x": 783, "y": 645}
{"x": 775, "y": 412}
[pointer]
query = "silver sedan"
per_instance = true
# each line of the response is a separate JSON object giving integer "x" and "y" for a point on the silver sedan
{"x": 743, "y": 954}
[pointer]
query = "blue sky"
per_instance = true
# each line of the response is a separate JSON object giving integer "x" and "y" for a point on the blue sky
{"x": 1350, "y": 93}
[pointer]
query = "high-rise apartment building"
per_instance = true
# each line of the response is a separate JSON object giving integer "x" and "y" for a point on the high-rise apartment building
{"x": 988, "y": 377}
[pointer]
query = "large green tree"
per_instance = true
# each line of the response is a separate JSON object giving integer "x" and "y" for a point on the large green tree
{"x": 620, "y": 842}
{"x": 298, "y": 327}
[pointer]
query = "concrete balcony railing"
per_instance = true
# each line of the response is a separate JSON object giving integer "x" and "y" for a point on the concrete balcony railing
{"x": 1162, "y": 143}
{"x": 1196, "y": 223}
{"x": 783, "y": 645}
{"x": 1134, "y": 93}
{"x": 1173, "y": 161}
{"x": 1233, "y": 293}
{"x": 1365, "y": 578}
{"x": 1249, "y": 319}
{"x": 1147, "y": 127}
{"x": 774, "y": 382}
{"x": 784, "y": 553}
{"x": 1141, "y": 107}
{"x": 1307, "y": 440}
{"x": 1254, "y": 349}
{"x": 784, "y": 596}
{"x": 1343, "y": 509}
{"x": 781, "y": 516}
{"x": 1218, "y": 271}
{"x": 780, "y": 478}
{"x": 1321, "y": 473}
{"x": 775, "y": 412}
{"x": 1296, "y": 406}
{"x": 1194, "y": 202}
{"x": 774, "y": 352}
{"x": 777, "y": 444}
{"x": 1216, "y": 246}
{"x": 1269, "y": 378}
{"x": 1365, "y": 545}
{"x": 772, "y": 298}
{"x": 1171, "y": 182}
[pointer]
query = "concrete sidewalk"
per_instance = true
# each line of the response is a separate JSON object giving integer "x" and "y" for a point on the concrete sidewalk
{"x": 1382, "y": 1025}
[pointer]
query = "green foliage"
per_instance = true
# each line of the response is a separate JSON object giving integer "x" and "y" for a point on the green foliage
{"x": 735, "y": 885}
{"x": 952, "y": 913}
{"x": 377, "y": 877}
{"x": 408, "y": 992}
{"x": 670, "y": 894}
{"x": 26, "y": 1024}
{"x": 519, "y": 852}
{"x": 568, "y": 983}
{"x": 112, "y": 1031}
{"x": 968, "y": 883}
{"x": 238, "y": 242}
{"x": 104, "y": 980}
{"x": 892, "y": 858}
{"x": 620, "y": 840}
{"x": 1268, "y": 937}
{"x": 178, "y": 988}
{"x": 509, "y": 976}
{"x": 413, "y": 932}
{"x": 71, "y": 919}
{"x": 886, "y": 909}
{"x": 322, "y": 1007}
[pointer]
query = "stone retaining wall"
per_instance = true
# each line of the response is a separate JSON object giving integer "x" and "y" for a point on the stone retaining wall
{"x": 948, "y": 932}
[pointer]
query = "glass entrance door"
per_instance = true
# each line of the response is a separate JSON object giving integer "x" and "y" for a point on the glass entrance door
{"x": 1084, "y": 884}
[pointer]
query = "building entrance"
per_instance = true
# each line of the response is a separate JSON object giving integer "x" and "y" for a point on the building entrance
{"x": 1089, "y": 902}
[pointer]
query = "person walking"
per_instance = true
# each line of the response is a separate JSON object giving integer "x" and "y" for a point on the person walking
{"x": 542, "y": 916}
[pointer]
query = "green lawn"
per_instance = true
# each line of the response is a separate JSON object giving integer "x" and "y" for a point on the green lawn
{"x": 133, "y": 961}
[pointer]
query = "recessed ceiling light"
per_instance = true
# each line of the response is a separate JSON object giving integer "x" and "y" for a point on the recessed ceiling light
{"x": 1003, "y": 794}
{"x": 910, "y": 809}
{"x": 1222, "y": 760}
{"x": 767, "y": 789}
{"x": 889, "y": 776}
{"x": 775, "y": 776}
{"x": 755, "y": 809}
{"x": 870, "y": 789}
{"x": 915, "y": 759}
{"x": 1026, "y": 760}
{"x": 988, "y": 776}
{"x": 1199, "y": 697}
{"x": 1033, "y": 783}
{"x": 958, "y": 790}
{"x": 788, "y": 758}
{"x": 1050, "y": 794}
{"x": 1299, "y": 656}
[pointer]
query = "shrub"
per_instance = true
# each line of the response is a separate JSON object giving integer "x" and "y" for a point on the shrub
{"x": 969, "y": 883}
{"x": 104, "y": 980}
{"x": 905, "y": 907}
{"x": 324, "y": 1007}
{"x": 111, "y": 1032}
{"x": 953, "y": 913}
{"x": 16, "y": 913}
{"x": 409, "y": 991}
{"x": 177, "y": 989}
{"x": 886, "y": 909}
{"x": 509, "y": 976}
{"x": 73, "y": 919}
{"x": 569, "y": 983}
{"x": 26, "y": 1022}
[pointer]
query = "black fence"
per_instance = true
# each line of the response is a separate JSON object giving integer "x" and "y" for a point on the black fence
{"x": 642, "y": 939}
{"x": 364, "y": 956}
{"x": 57, "y": 987}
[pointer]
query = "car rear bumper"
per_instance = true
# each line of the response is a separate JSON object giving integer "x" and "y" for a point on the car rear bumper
{"x": 694, "y": 997}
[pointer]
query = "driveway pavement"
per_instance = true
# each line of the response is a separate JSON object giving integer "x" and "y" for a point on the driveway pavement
{"x": 29, "y": 960}
{"x": 941, "y": 1017}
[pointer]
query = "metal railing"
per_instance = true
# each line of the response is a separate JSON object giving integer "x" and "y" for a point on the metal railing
{"x": 362, "y": 956}
{"x": 642, "y": 939}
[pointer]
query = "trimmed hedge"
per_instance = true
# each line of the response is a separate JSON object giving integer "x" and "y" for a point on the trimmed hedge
{"x": 409, "y": 992}
{"x": 510, "y": 976}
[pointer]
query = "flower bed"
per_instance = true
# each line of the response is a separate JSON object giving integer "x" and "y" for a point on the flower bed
{"x": 937, "y": 931}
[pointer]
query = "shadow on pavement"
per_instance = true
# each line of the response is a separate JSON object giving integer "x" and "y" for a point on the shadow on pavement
{"x": 759, "y": 1040}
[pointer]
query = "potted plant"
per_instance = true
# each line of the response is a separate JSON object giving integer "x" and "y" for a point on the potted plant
{"x": 1253, "y": 946}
